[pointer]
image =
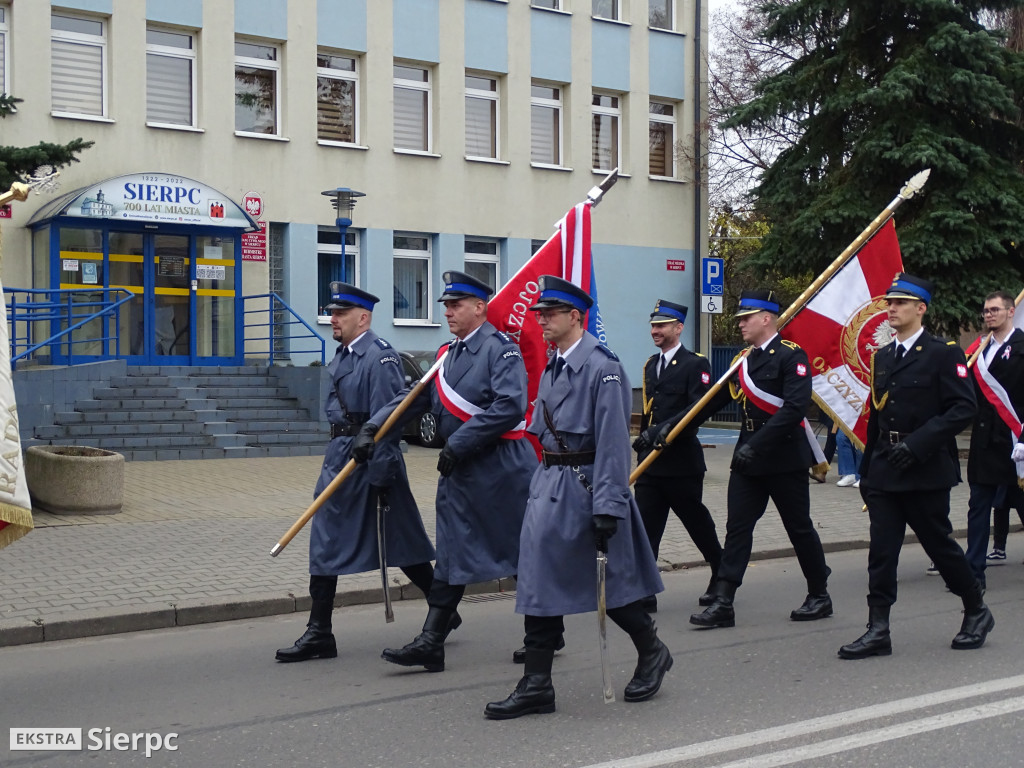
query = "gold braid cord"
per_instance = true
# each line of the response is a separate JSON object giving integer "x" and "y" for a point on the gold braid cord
{"x": 879, "y": 404}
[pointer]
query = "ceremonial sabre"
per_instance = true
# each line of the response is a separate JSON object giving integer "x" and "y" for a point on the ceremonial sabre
{"x": 382, "y": 555}
{"x": 602, "y": 628}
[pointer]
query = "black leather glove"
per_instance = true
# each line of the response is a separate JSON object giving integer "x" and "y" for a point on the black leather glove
{"x": 644, "y": 440}
{"x": 605, "y": 527}
{"x": 662, "y": 434}
{"x": 446, "y": 461}
{"x": 743, "y": 458}
{"x": 901, "y": 457}
{"x": 363, "y": 445}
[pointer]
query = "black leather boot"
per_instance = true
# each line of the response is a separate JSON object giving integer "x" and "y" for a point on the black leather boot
{"x": 534, "y": 694}
{"x": 519, "y": 655}
{"x": 874, "y": 642}
{"x": 317, "y": 642}
{"x": 720, "y": 613}
{"x": 709, "y": 594}
{"x": 817, "y": 604}
{"x": 653, "y": 662}
{"x": 427, "y": 649}
{"x": 978, "y": 622}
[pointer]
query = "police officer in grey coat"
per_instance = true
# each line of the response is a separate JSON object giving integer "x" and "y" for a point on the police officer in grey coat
{"x": 365, "y": 374}
{"x": 580, "y": 498}
{"x": 479, "y": 399}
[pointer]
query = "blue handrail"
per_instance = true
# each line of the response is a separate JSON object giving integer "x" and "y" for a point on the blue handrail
{"x": 62, "y": 305}
{"x": 276, "y": 328}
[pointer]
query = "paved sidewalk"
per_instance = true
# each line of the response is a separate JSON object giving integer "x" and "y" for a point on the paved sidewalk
{"x": 192, "y": 545}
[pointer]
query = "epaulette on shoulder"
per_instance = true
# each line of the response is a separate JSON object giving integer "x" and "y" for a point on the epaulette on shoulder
{"x": 700, "y": 354}
{"x": 611, "y": 355}
{"x": 505, "y": 338}
{"x": 951, "y": 343}
{"x": 382, "y": 343}
{"x": 790, "y": 344}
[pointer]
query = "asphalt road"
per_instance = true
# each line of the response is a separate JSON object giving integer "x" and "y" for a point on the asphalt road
{"x": 769, "y": 692}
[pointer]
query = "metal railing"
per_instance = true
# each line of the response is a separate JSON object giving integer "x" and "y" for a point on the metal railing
{"x": 721, "y": 359}
{"x": 279, "y": 336}
{"x": 32, "y": 309}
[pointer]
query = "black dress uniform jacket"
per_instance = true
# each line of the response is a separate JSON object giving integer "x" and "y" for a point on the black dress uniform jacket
{"x": 778, "y": 440}
{"x": 923, "y": 400}
{"x": 685, "y": 381}
{"x": 991, "y": 439}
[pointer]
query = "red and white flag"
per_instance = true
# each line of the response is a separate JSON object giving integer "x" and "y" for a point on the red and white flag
{"x": 566, "y": 254}
{"x": 843, "y": 325}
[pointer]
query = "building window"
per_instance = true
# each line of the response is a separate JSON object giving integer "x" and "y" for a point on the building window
{"x": 4, "y": 67}
{"x": 482, "y": 261}
{"x": 412, "y": 108}
{"x": 662, "y": 139}
{"x": 337, "y": 98}
{"x": 257, "y": 75}
{"x": 660, "y": 14}
{"x": 412, "y": 277}
{"x": 170, "y": 78}
{"x": 554, "y": 5}
{"x": 608, "y": 9}
{"x": 545, "y": 124}
{"x": 606, "y": 139}
{"x": 78, "y": 66}
{"x": 481, "y": 116}
{"x": 330, "y": 266}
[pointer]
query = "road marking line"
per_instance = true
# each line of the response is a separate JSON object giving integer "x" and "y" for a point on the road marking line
{"x": 805, "y": 727}
{"x": 889, "y": 733}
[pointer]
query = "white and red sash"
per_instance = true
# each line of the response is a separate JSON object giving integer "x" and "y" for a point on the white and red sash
{"x": 997, "y": 395}
{"x": 770, "y": 403}
{"x": 461, "y": 408}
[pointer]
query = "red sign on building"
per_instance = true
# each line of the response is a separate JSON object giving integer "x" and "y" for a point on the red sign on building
{"x": 675, "y": 265}
{"x": 5, "y": 211}
{"x": 254, "y": 244}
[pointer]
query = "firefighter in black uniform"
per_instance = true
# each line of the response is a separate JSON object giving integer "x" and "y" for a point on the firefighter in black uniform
{"x": 921, "y": 397}
{"x": 673, "y": 381}
{"x": 771, "y": 459}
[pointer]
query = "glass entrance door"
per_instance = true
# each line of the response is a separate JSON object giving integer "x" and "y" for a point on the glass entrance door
{"x": 171, "y": 328}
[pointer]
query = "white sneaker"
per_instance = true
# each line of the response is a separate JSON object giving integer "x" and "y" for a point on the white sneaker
{"x": 857, "y": 484}
{"x": 846, "y": 481}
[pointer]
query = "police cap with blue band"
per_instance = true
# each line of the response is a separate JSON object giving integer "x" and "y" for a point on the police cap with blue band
{"x": 459, "y": 285}
{"x": 752, "y": 302}
{"x": 558, "y": 293}
{"x": 906, "y": 286}
{"x": 668, "y": 312}
{"x": 345, "y": 296}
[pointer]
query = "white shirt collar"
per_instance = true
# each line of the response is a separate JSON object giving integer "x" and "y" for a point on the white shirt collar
{"x": 354, "y": 341}
{"x": 909, "y": 343}
{"x": 668, "y": 354}
{"x": 765, "y": 345}
{"x": 570, "y": 349}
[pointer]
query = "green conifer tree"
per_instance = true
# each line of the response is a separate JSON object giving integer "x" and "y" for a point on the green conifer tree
{"x": 17, "y": 163}
{"x": 881, "y": 90}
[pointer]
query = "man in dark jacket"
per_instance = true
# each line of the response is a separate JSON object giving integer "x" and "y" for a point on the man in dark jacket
{"x": 771, "y": 460}
{"x": 999, "y": 389}
{"x": 921, "y": 397}
{"x": 673, "y": 380}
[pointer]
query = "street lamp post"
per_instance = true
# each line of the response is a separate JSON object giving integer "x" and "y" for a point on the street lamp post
{"x": 344, "y": 200}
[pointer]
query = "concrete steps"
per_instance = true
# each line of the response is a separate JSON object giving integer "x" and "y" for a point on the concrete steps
{"x": 174, "y": 412}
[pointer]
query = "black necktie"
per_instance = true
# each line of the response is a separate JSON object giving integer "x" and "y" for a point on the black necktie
{"x": 344, "y": 353}
{"x": 661, "y": 366}
{"x": 900, "y": 351}
{"x": 559, "y": 365}
{"x": 456, "y": 349}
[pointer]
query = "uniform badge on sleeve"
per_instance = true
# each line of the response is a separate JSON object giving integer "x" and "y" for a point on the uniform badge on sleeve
{"x": 801, "y": 369}
{"x": 961, "y": 370}
{"x": 705, "y": 377}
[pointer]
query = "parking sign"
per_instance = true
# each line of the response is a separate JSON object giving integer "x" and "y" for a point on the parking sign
{"x": 712, "y": 276}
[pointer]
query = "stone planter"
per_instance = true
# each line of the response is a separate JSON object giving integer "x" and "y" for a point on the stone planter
{"x": 75, "y": 480}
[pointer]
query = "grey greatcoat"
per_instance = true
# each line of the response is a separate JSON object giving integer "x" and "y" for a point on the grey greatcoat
{"x": 480, "y": 505}
{"x": 343, "y": 538}
{"x": 589, "y": 405}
